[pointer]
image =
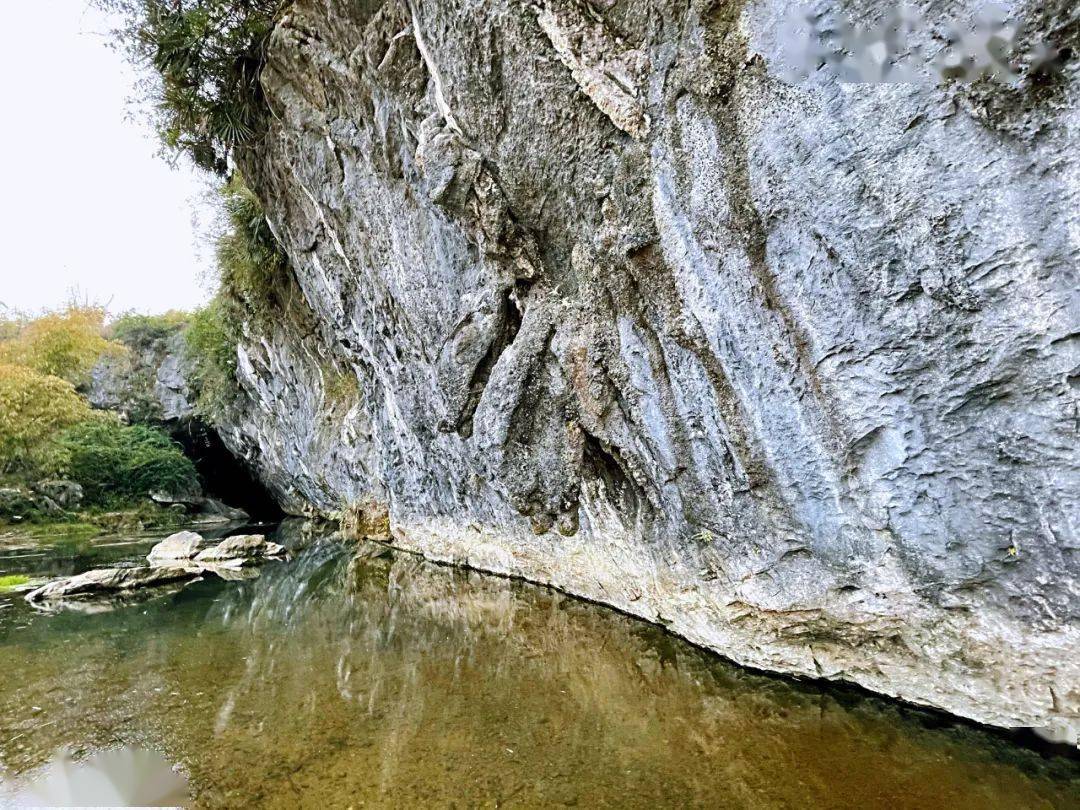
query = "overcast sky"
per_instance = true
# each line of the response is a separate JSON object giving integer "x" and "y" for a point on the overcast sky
{"x": 86, "y": 204}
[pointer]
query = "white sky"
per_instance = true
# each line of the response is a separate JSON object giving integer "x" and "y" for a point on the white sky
{"x": 86, "y": 204}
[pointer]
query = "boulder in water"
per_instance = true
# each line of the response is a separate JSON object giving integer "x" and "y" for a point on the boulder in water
{"x": 246, "y": 547}
{"x": 180, "y": 546}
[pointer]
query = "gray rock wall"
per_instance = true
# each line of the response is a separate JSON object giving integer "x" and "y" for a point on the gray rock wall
{"x": 790, "y": 369}
{"x": 146, "y": 383}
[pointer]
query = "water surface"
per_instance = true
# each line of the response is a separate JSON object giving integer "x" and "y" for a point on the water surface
{"x": 355, "y": 676}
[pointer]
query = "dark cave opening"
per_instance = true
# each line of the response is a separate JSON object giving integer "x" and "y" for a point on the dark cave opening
{"x": 223, "y": 475}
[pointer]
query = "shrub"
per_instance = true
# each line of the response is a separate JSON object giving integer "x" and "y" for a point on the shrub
{"x": 11, "y": 323}
{"x": 252, "y": 275}
{"x": 211, "y": 339}
{"x": 251, "y": 267}
{"x": 209, "y": 55}
{"x": 340, "y": 386}
{"x": 10, "y": 581}
{"x": 33, "y": 408}
{"x": 115, "y": 462}
{"x": 133, "y": 329}
{"x": 63, "y": 344}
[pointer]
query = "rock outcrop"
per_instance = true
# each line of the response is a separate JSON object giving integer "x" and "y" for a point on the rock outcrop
{"x": 790, "y": 369}
{"x": 48, "y": 498}
{"x": 179, "y": 558}
{"x": 148, "y": 382}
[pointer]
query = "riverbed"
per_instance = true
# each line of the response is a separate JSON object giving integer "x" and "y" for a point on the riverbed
{"x": 356, "y": 675}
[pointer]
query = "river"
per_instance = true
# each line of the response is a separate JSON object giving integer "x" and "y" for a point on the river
{"x": 357, "y": 676}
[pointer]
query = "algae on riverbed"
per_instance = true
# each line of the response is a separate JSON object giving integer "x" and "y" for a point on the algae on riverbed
{"x": 10, "y": 581}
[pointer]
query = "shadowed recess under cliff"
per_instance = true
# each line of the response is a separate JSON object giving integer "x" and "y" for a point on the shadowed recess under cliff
{"x": 223, "y": 475}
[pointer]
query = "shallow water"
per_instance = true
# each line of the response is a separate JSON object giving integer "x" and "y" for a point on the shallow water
{"x": 356, "y": 676}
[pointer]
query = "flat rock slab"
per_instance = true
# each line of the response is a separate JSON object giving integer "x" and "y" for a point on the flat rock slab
{"x": 111, "y": 580}
{"x": 230, "y": 570}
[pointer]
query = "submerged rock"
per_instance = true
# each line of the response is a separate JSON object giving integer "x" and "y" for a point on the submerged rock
{"x": 229, "y": 570}
{"x": 108, "y": 601}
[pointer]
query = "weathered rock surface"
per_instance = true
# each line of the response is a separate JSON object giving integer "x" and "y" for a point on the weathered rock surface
{"x": 792, "y": 370}
{"x": 66, "y": 494}
{"x": 17, "y": 503}
{"x": 203, "y": 509}
{"x": 146, "y": 383}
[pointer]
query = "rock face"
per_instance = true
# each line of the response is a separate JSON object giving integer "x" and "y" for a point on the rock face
{"x": 18, "y": 503}
{"x": 146, "y": 383}
{"x": 66, "y": 494}
{"x": 791, "y": 369}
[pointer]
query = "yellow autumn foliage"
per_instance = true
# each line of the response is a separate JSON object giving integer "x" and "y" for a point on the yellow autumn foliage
{"x": 33, "y": 408}
{"x": 63, "y": 344}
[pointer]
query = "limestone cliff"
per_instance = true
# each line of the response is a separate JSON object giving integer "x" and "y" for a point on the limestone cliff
{"x": 789, "y": 368}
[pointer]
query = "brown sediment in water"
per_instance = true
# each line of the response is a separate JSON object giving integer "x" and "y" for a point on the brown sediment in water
{"x": 384, "y": 680}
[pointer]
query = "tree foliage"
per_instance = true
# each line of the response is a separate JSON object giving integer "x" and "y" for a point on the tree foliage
{"x": 116, "y": 463}
{"x": 135, "y": 330}
{"x": 11, "y": 323}
{"x": 33, "y": 408}
{"x": 63, "y": 344}
{"x": 209, "y": 55}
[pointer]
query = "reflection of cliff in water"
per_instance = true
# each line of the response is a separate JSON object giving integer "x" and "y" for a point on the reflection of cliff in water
{"x": 356, "y": 674}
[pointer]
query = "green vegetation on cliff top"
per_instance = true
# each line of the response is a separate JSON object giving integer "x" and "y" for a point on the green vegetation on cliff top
{"x": 207, "y": 56}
